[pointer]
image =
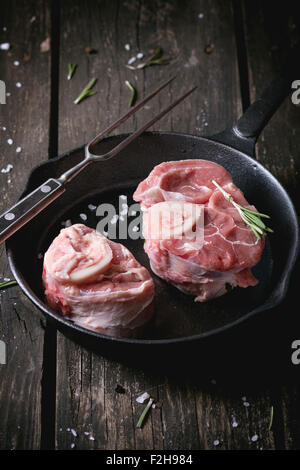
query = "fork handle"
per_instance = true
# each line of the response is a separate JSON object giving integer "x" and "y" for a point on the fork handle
{"x": 28, "y": 207}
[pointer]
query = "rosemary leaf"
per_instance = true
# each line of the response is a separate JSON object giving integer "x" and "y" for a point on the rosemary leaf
{"x": 87, "y": 91}
{"x": 5, "y": 284}
{"x": 154, "y": 59}
{"x": 71, "y": 70}
{"x": 255, "y": 233}
{"x": 143, "y": 415}
{"x": 251, "y": 218}
{"x": 160, "y": 62}
{"x": 133, "y": 93}
{"x": 271, "y": 418}
{"x": 156, "y": 55}
{"x": 256, "y": 213}
{"x": 251, "y": 223}
{"x": 256, "y": 220}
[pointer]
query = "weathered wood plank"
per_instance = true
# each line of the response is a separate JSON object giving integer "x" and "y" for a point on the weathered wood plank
{"x": 268, "y": 40}
{"x": 235, "y": 422}
{"x": 86, "y": 383}
{"x": 25, "y": 116}
{"x": 269, "y": 36}
{"x": 290, "y": 417}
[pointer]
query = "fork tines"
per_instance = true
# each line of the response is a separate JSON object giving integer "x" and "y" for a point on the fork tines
{"x": 139, "y": 131}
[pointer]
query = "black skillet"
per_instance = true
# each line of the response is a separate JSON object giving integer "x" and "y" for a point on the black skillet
{"x": 178, "y": 318}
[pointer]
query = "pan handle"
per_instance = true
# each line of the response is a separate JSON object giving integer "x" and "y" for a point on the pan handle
{"x": 28, "y": 207}
{"x": 245, "y": 132}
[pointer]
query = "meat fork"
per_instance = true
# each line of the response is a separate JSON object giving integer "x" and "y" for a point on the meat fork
{"x": 32, "y": 204}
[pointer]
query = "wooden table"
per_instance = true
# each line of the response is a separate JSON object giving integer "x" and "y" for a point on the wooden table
{"x": 50, "y": 385}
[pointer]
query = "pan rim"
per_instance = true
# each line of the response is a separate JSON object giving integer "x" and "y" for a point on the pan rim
{"x": 283, "y": 282}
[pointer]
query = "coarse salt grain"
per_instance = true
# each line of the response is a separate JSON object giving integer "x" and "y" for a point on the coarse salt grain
{"x": 8, "y": 93}
{"x": 140, "y": 55}
{"x": 86, "y": 433}
{"x": 131, "y": 60}
{"x": 66, "y": 223}
{"x": 4, "y": 128}
{"x": 201, "y": 15}
{"x": 8, "y": 168}
{"x": 246, "y": 404}
{"x": 124, "y": 211}
{"x": 74, "y": 432}
{"x": 133, "y": 213}
{"x": 92, "y": 438}
{"x": 127, "y": 47}
{"x": 135, "y": 228}
{"x": 5, "y": 46}
{"x": 18, "y": 85}
{"x": 16, "y": 63}
{"x": 114, "y": 219}
{"x": 19, "y": 149}
{"x": 92, "y": 207}
{"x": 216, "y": 442}
{"x": 72, "y": 445}
{"x": 234, "y": 424}
{"x": 10, "y": 141}
{"x": 4, "y": 28}
{"x": 83, "y": 216}
{"x": 142, "y": 398}
{"x": 254, "y": 438}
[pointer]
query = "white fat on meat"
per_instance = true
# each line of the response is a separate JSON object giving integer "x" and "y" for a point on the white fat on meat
{"x": 97, "y": 283}
{"x": 172, "y": 220}
{"x": 226, "y": 249}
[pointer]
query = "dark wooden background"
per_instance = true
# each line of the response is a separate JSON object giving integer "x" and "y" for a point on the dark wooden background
{"x": 49, "y": 384}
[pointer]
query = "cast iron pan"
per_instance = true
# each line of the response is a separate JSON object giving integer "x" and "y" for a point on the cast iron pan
{"x": 178, "y": 318}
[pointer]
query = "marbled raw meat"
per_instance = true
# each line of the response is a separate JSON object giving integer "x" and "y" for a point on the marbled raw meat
{"x": 229, "y": 248}
{"x": 97, "y": 283}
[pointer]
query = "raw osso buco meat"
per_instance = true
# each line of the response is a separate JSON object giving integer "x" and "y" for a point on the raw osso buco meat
{"x": 173, "y": 198}
{"x": 194, "y": 237}
{"x": 97, "y": 283}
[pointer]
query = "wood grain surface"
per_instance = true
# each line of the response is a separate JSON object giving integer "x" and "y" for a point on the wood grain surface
{"x": 26, "y": 119}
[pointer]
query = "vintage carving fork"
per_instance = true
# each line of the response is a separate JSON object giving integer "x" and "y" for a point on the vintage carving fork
{"x": 31, "y": 205}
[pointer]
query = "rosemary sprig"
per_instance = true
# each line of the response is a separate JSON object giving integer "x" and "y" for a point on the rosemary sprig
{"x": 143, "y": 415}
{"x": 251, "y": 218}
{"x": 7, "y": 284}
{"x": 133, "y": 93}
{"x": 271, "y": 418}
{"x": 71, "y": 70}
{"x": 87, "y": 91}
{"x": 154, "y": 59}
